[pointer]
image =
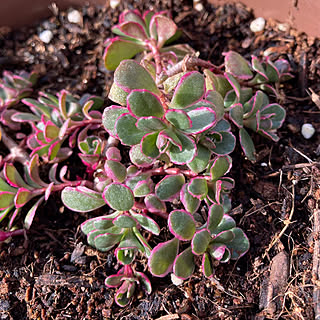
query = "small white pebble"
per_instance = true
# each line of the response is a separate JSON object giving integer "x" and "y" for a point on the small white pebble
{"x": 114, "y": 3}
{"x": 283, "y": 27}
{"x": 263, "y": 164}
{"x": 258, "y": 24}
{"x": 198, "y": 6}
{"x": 307, "y": 130}
{"x": 74, "y": 16}
{"x": 175, "y": 280}
{"x": 238, "y": 269}
{"x": 46, "y": 36}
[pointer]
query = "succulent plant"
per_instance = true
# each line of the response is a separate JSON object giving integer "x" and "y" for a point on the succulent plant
{"x": 166, "y": 157}
{"x": 14, "y": 87}
{"x": 56, "y": 118}
{"x": 148, "y": 32}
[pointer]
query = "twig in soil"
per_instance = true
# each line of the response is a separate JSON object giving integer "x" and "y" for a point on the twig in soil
{"x": 169, "y": 317}
{"x": 314, "y": 97}
{"x": 316, "y": 262}
{"x": 286, "y": 222}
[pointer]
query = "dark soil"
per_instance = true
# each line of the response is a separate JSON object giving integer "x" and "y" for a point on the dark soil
{"x": 53, "y": 274}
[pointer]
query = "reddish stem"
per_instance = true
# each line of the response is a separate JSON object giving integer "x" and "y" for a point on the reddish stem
{"x": 142, "y": 206}
{"x": 4, "y": 235}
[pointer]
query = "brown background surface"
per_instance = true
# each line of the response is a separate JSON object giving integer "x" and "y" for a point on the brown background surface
{"x": 301, "y": 14}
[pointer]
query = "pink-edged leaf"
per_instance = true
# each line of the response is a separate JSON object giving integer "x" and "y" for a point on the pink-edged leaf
{"x": 118, "y": 197}
{"x": 13, "y": 177}
{"x": 200, "y": 242}
{"x": 169, "y": 186}
{"x": 183, "y": 266}
{"x": 234, "y": 83}
{"x": 146, "y": 222}
{"x": 115, "y": 170}
{"x": 113, "y": 153}
{"x": 138, "y": 158}
{"x": 48, "y": 191}
{"x": 220, "y": 167}
{"x": 81, "y": 199}
{"x": 162, "y": 257}
{"x": 206, "y": 265}
{"x": 198, "y": 187}
{"x": 143, "y": 103}
{"x": 145, "y": 281}
{"x": 109, "y": 117}
{"x": 154, "y": 204}
{"x": 162, "y": 29}
{"x": 236, "y": 114}
{"x": 130, "y": 29}
{"x": 6, "y": 199}
{"x": 179, "y": 119}
{"x": 33, "y": 171}
{"x": 31, "y": 213}
{"x": 181, "y": 224}
{"x": 190, "y": 89}
{"x": 149, "y": 145}
{"x": 247, "y": 144}
{"x": 118, "y": 50}
{"x": 190, "y": 203}
{"x": 22, "y": 197}
{"x": 237, "y": 65}
{"x": 187, "y": 152}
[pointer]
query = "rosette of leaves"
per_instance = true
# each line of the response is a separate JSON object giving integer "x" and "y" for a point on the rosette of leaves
{"x": 16, "y": 191}
{"x": 90, "y": 147}
{"x": 126, "y": 281}
{"x": 213, "y": 187}
{"x": 137, "y": 33}
{"x": 14, "y": 87}
{"x": 153, "y": 126}
{"x": 237, "y": 90}
{"x": 55, "y": 119}
{"x": 218, "y": 239}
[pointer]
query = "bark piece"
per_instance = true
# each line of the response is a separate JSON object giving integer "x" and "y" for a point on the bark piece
{"x": 274, "y": 287}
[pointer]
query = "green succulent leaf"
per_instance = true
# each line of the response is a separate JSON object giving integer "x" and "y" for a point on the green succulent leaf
{"x": 181, "y": 224}
{"x": 169, "y": 186}
{"x": 198, "y": 187}
{"x": 129, "y": 76}
{"x": 127, "y": 130}
{"x": 206, "y": 265}
{"x": 215, "y": 216}
{"x": 236, "y": 114}
{"x": 150, "y": 124}
{"x": 118, "y": 197}
{"x": 237, "y": 65}
{"x": 162, "y": 257}
{"x": 106, "y": 240}
{"x": 247, "y": 144}
{"x": 149, "y": 145}
{"x": 190, "y": 203}
{"x": 239, "y": 245}
{"x": 138, "y": 158}
{"x": 118, "y": 50}
{"x": 81, "y": 199}
{"x": 183, "y": 266}
{"x": 147, "y": 223}
{"x": 186, "y": 153}
{"x": 200, "y": 242}
{"x": 190, "y": 89}
{"x": 124, "y": 221}
{"x": 179, "y": 119}
{"x": 110, "y": 116}
{"x": 220, "y": 167}
{"x": 115, "y": 170}
{"x": 143, "y": 103}
{"x": 201, "y": 160}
